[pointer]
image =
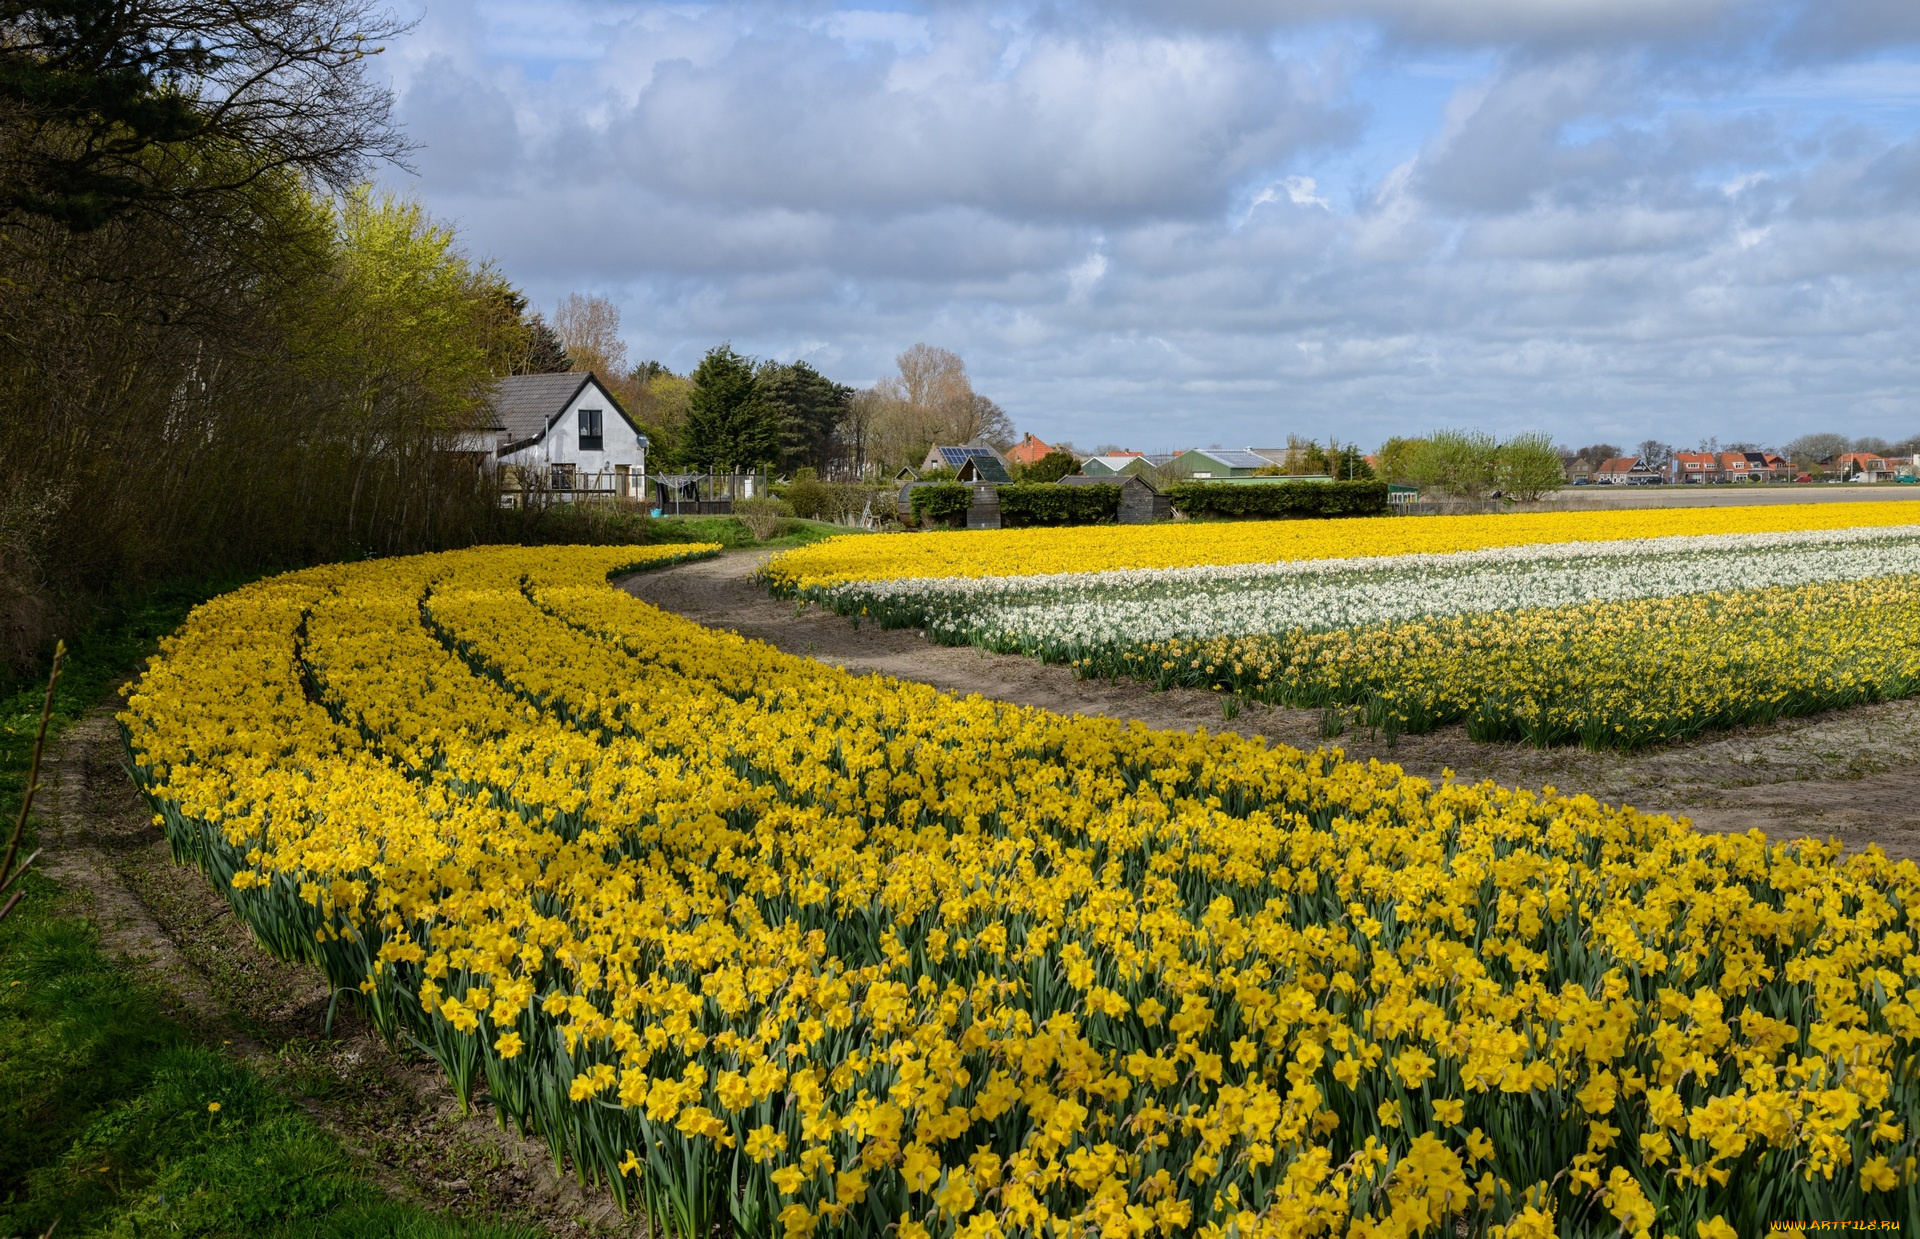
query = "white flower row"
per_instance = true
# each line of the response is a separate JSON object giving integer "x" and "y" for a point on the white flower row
{"x": 1084, "y": 611}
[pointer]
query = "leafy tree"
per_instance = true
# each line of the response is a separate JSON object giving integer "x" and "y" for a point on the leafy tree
{"x": 1348, "y": 464}
{"x": 728, "y": 426}
{"x": 1396, "y": 458}
{"x": 1050, "y": 468}
{"x": 109, "y": 106}
{"x": 659, "y": 403}
{"x": 808, "y": 408}
{"x": 545, "y": 354}
{"x": 527, "y": 344}
{"x": 1456, "y": 462}
{"x": 1528, "y": 466}
{"x": 1597, "y": 454}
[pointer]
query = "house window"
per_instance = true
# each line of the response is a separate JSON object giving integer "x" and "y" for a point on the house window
{"x": 590, "y": 439}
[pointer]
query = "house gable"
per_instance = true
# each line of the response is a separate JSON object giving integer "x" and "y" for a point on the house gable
{"x": 537, "y": 417}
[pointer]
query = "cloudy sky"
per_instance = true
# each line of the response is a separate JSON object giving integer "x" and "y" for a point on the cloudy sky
{"x": 1180, "y": 222}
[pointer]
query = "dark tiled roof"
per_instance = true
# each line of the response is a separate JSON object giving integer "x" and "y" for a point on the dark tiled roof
{"x": 523, "y": 405}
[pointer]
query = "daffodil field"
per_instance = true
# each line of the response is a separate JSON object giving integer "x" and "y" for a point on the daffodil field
{"x": 763, "y": 945}
{"x": 1612, "y": 629}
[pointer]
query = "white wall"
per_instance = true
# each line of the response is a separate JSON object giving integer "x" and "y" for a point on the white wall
{"x": 622, "y": 445}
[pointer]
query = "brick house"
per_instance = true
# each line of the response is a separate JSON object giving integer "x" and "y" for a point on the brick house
{"x": 1695, "y": 467}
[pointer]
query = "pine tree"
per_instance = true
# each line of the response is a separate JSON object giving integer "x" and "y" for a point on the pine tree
{"x": 729, "y": 427}
{"x": 807, "y": 406}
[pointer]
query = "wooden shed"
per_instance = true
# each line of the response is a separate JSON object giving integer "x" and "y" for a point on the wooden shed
{"x": 1140, "y": 502}
{"x": 984, "y": 511}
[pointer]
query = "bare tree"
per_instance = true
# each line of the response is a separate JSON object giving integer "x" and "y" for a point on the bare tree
{"x": 931, "y": 379}
{"x": 589, "y": 329}
{"x": 1813, "y": 448}
{"x": 931, "y": 400}
{"x": 990, "y": 423}
{"x": 853, "y": 438}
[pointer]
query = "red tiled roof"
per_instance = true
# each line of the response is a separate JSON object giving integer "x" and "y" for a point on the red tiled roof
{"x": 1028, "y": 450}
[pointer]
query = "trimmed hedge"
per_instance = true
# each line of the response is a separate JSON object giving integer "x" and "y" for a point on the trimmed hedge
{"x": 1049, "y": 503}
{"x": 940, "y": 501}
{"x": 1279, "y": 500}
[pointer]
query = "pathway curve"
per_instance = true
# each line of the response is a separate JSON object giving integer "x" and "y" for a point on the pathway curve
{"x": 1850, "y": 773}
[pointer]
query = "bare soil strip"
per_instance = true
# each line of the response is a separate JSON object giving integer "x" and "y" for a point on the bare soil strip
{"x": 1850, "y": 774}
{"x": 391, "y": 1110}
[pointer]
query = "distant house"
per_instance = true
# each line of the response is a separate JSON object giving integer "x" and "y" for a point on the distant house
{"x": 1115, "y": 464}
{"x": 1029, "y": 451}
{"x": 1863, "y": 467}
{"x": 1751, "y": 467}
{"x": 1625, "y": 471}
{"x": 1210, "y": 463}
{"x": 943, "y": 457}
{"x": 1695, "y": 467}
{"x": 565, "y": 433}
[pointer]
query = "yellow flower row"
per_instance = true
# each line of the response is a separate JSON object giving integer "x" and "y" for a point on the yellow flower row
{"x": 808, "y": 952}
{"x": 1034, "y": 552}
{"x": 1605, "y": 674}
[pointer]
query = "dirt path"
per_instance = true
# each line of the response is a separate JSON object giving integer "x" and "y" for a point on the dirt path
{"x": 391, "y": 1111}
{"x": 1850, "y": 774}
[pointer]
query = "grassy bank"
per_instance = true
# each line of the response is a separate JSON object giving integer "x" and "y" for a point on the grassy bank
{"x": 114, "y": 1119}
{"x": 593, "y": 524}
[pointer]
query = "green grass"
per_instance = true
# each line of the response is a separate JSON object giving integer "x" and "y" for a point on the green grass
{"x": 730, "y": 533}
{"x": 105, "y": 1119}
{"x": 599, "y": 524}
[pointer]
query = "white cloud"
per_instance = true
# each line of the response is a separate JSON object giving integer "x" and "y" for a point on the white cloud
{"x": 1174, "y": 225}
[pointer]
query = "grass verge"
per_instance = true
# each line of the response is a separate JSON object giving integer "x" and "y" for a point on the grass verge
{"x": 116, "y": 1120}
{"x": 591, "y": 524}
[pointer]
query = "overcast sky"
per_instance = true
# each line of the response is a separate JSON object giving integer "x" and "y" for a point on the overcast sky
{"x": 1180, "y": 222}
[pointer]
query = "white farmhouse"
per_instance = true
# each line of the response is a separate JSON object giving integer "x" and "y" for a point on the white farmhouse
{"x": 567, "y": 431}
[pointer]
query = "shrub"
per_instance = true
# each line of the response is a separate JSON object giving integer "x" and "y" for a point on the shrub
{"x": 763, "y": 517}
{"x": 940, "y": 501}
{"x": 1529, "y": 467}
{"x": 809, "y": 496}
{"x": 1461, "y": 463}
{"x": 1049, "y": 503}
{"x": 1280, "y": 499}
